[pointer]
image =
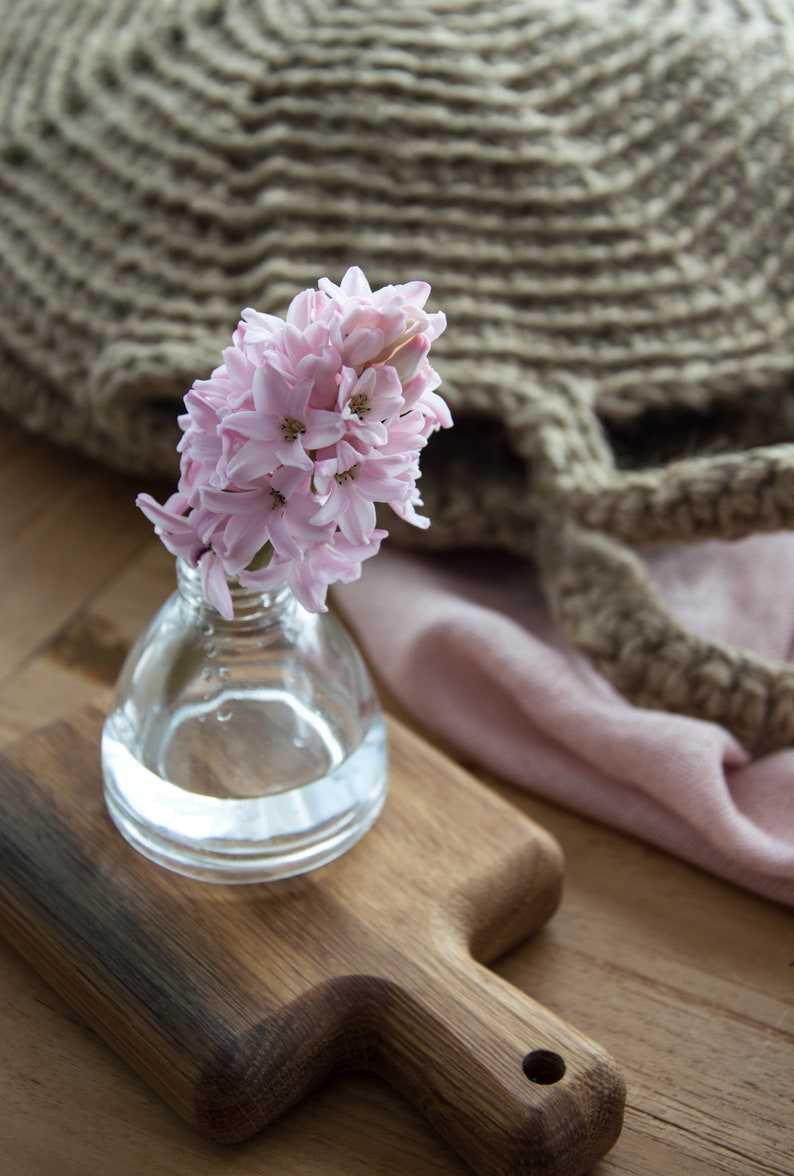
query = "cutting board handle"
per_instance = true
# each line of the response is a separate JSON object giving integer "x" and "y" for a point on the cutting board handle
{"x": 510, "y": 1086}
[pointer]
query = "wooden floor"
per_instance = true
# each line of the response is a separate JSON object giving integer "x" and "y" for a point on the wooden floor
{"x": 686, "y": 980}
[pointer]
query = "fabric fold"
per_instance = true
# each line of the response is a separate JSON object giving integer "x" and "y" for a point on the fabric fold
{"x": 466, "y": 644}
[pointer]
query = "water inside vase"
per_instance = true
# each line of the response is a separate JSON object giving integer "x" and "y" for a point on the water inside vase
{"x": 303, "y": 805}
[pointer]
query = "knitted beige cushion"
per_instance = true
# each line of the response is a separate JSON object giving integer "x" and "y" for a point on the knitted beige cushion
{"x": 599, "y": 191}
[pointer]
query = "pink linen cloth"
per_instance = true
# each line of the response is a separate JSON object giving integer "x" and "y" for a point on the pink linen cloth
{"x": 466, "y": 644}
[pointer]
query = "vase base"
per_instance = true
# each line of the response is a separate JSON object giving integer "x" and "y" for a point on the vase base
{"x": 255, "y": 839}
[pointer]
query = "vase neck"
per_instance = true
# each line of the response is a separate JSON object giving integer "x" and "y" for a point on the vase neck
{"x": 252, "y": 606}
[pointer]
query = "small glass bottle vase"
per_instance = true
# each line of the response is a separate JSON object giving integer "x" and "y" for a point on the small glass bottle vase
{"x": 243, "y": 750}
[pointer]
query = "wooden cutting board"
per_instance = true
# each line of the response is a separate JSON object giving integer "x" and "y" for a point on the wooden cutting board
{"x": 235, "y": 1001}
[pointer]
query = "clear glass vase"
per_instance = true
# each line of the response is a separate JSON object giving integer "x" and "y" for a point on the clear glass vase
{"x": 243, "y": 750}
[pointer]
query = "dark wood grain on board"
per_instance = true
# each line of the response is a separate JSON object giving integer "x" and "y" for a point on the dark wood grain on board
{"x": 235, "y": 1001}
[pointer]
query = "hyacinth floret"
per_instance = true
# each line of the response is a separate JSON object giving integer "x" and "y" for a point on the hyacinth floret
{"x": 309, "y": 422}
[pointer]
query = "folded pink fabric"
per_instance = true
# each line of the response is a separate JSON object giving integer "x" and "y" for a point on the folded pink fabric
{"x": 467, "y": 646}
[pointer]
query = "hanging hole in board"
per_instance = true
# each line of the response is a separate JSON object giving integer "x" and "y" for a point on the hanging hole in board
{"x": 543, "y": 1066}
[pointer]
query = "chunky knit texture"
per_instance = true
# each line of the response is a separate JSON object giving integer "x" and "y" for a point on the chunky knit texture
{"x": 600, "y": 194}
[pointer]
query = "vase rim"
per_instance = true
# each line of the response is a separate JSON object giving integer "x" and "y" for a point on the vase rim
{"x": 250, "y": 604}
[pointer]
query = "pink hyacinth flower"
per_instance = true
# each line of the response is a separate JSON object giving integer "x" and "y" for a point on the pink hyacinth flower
{"x": 281, "y": 428}
{"x": 307, "y": 424}
{"x": 351, "y": 483}
{"x": 368, "y": 401}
